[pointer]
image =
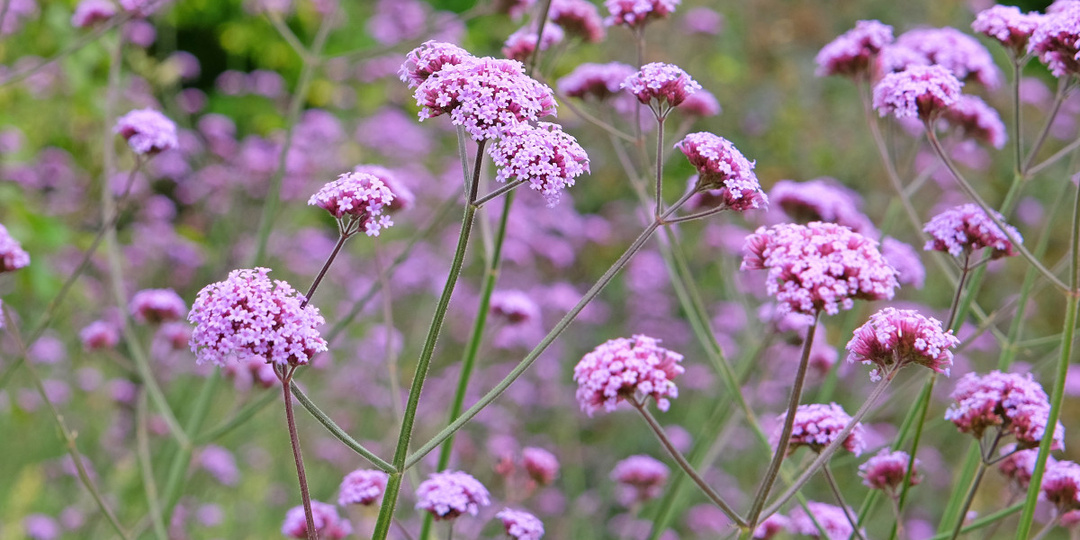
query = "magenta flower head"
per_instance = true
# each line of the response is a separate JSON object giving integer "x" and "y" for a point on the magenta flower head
{"x": 701, "y": 103}
{"x": 156, "y": 306}
{"x": 1056, "y": 41}
{"x": 887, "y": 469}
{"x": 642, "y": 478}
{"x": 1008, "y": 25}
{"x": 822, "y": 199}
{"x": 967, "y": 228}
{"x": 485, "y": 96}
{"x": 147, "y": 131}
{"x": 578, "y": 18}
{"x": 627, "y": 368}
{"x": 661, "y": 86}
{"x": 91, "y": 12}
{"x": 356, "y": 200}
{"x": 515, "y": 306}
{"x": 545, "y": 156}
{"x": 99, "y": 335}
{"x": 429, "y": 58}
{"x": 541, "y": 465}
{"x": 12, "y": 255}
{"x": 328, "y": 523}
{"x": 817, "y": 425}
{"x": 362, "y": 486}
{"x": 448, "y": 494}
{"x": 598, "y": 81}
{"x": 977, "y": 120}
{"x": 1011, "y": 402}
{"x": 818, "y": 267}
{"x": 521, "y": 44}
{"x": 521, "y": 525}
{"x": 248, "y": 315}
{"x": 831, "y": 518}
{"x": 772, "y": 526}
{"x": 921, "y": 92}
{"x": 955, "y": 51}
{"x": 1018, "y": 465}
{"x": 636, "y": 13}
{"x": 852, "y": 53}
{"x": 1061, "y": 485}
{"x": 894, "y": 338}
{"x": 722, "y": 167}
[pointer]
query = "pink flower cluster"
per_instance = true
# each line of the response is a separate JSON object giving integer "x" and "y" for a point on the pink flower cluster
{"x": 887, "y": 469}
{"x": 542, "y": 466}
{"x": 248, "y": 315}
{"x": 1056, "y": 41}
{"x": 99, "y": 335}
{"x": 360, "y": 196}
{"x": 622, "y": 368}
{"x": 91, "y": 12}
{"x": 818, "y": 267}
{"x": 147, "y": 131}
{"x": 521, "y": 44}
{"x": 721, "y": 167}
{"x": 636, "y": 13}
{"x": 917, "y": 92}
{"x": 665, "y": 84}
{"x": 599, "y": 81}
{"x": 578, "y": 18}
{"x": 977, "y": 120}
{"x": 1008, "y": 25}
{"x": 521, "y": 525}
{"x": 1011, "y": 402}
{"x": 817, "y": 425}
{"x": 1061, "y": 485}
{"x": 893, "y": 338}
{"x": 831, "y": 518}
{"x": 545, "y": 156}
{"x": 362, "y": 486}
{"x": 429, "y": 58}
{"x": 821, "y": 199}
{"x": 328, "y": 523}
{"x": 12, "y": 255}
{"x": 959, "y": 53}
{"x": 515, "y": 306}
{"x": 448, "y": 494}
{"x": 1020, "y": 464}
{"x": 852, "y": 53}
{"x": 967, "y": 228}
{"x": 156, "y": 306}
{"x": 403, "y": 196}
{"x": 642, "y": 478}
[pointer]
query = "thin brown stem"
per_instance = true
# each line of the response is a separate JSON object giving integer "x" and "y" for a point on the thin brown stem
{"x": 840, "y": 500}
{"x": 326, "y": 266}
{"x": 285, "y": 375}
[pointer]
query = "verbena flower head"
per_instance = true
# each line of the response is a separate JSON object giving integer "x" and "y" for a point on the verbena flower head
{"x": 578, "y": 18}
{"x": 967, "y": 228}
{"x": 403, "y": 196}
{"x": 542, "y": 466}
{"x": 1012, "y": 402}
{"x": 156, "y": 306}
{"x": 361, "y": 197}
{"x": 955, "y": 51}
{"x": 887, "y": 469}
{"x": 99, "y": 335}
{"x": 546, "y": 156}
{"x": 977, "y": 120}
{"x": 1020, "y": 464}
{"x": 328, "y": 523}
{"x": 831, "y": 518}
{"x": 362, "y": 486}
{"x": 91, "y": 12}
{"x": 486, "y": 96}
{"x": 147, "y": 131}
{"x": 448, "y": 494}
{"x": 248, "y": 315}
{"x": 1056, "y": 41}
{"x": 818, "y": 267}
{"x": 917, "y": 92}
{"x": 817, "y": 425}
{"x": 636, "y": 13}
{"x": 772, "y": 526}
{"x": 893, "y": 338}
{"x": 1008, "y": 25}
{"x": 622, "y": 369}
{"x": 521, "y": 44}
{"x": 598, "y": 81}
{"x": 1061, "y": 485}
{"x": 12, "y": 255}
{"x": 852, "y": 53}
{"x": 821, "y": 199}
{"x": 515, "y": 306}
{"x": 521, "y": 525}
{"x": 429, "y": 58}
{"x": 642, "y": 478}
{"x": 722, "y": 167}
{"x": 701, "y": 103}
{"x": 661, "y": 86}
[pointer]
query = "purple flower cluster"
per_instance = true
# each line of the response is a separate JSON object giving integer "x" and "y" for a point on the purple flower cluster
{"x": 955, "y": 51}
{"x": 893, "y": 338}
{"x": 887, "y": 469}
{"x": 12, "y": 255}
{"x": 817, "y": 425}
{"x": 831, "y": 518}
{"x": 428, "y": 58}
{"x": 853, "y": 52}
{"x": 542, "y": 466}
{"x": 156, "y": 306}
{"x": 967, "y": 228}
{"x": 248, "y": 315}
{"x": 521, "y": 44}
{"x": 546, "y": 156}
{"x": 91, "y": 12}
{"x": 578, "y": 18}
{"x": 917, "y": 92}
{"x": 515, "y": 306}
{"x": 147, "y": 131}
{"x": 977, "y": 120}
{"x": 700, "y": 103}
{"x": 642, "y": 478}
{"x": 521, "y": 525}
{"x": 636, "y": 13}
{"x": 818, "y": 267}
{"x": 622, "y": 368}
{"x": 1008, "y": 25}
{"x": 448, "y": 494}
{"x": 1020, "y": 464}
{"x": 362, "y": 486}
{"x": 328, "y": 523}
{"x": 665, "y": 84}
{"x": 99, "y": 335}
{"x": 403, "y": 196}
{"x": 1056, "y": 41}
{"x": 1061, "y": 485}
{"x": 821, "y": 199}
{"x": 360, "y": 196}
{"x": 1012, "y": 402}
{"x": 599, "y": 81}
{"x": 721, "y": 167}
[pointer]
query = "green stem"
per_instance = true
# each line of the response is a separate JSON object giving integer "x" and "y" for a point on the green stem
{"x": 1059, "y": 98}
{"x": 923, "y": 406}
{"x": 174, "y": 483}
{"x": 1018, "y": 143}
{"x": 984, "y": 521}
{"x": 333, "y": 428}
{"x": 968, "y": 500}
{"x": 146, "y": 469}
{"x": 659, "y": 166}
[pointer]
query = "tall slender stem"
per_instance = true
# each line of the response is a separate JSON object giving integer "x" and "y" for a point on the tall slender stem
{"x": 285, "y": 375}
{"x": 659, "y": 165}
{"x": 968, "y": 499}
{"x": 326, "y": 266}
{"x": 789, "y": 423}
{"x": 840, "y": 500}
{"x": 1018, "y": 142}
{"x": 146, "y": 469}
{"x": 1059, "y": 98}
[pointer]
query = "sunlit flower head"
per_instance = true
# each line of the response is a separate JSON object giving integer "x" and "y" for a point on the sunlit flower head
{"x": 546, "y": 156}
{"x": 967, "y": 228}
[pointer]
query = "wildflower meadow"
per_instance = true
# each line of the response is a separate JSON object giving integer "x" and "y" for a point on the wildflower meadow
{"x": 564, "y": 269}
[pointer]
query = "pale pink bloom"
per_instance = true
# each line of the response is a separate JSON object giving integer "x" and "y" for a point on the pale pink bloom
{"x": 627, "y": 368}
{"x": 91, "y": 12}
{"x": 636, "y": 13}
{"x": 1056, "y": 41}
{"x": 642, "y": 478}
{"x": 1011, "y": 402}
{"x": 955, "y": 51}
{"x": 1008, "y": 25}
{"x": 967, "y": 228}
{"x": 887, "y": 469}
{"x": 817, "y": 425}
{"x": 599, "y": 81}
{"x": 521, "y": 44}
{"x": 541, "y": 465}
{"x": 521, "y": 525}
{"x": 917, "y": 92}
{"x": 147, "y": 131}
{"x": 155, "y": 306}
{"x": 1020, "y": 464}
{"x": 831, "y": 518}
{"x": 360, "y": 196}
{"x": 852, "y": 53}
{"x": 893, "y": 338}
{"x": 1061, "y": 485}
{"x": 724, "y": 170}
{"x": 448, "y": 494}
{"x": 328, "y": 523}
{"x": 662, "y": 86}
{"x": 362, "y": 487}
{"x": 578, "y": 18}
{"x": 12, "y": 255}
{"x": 978, "y": 120}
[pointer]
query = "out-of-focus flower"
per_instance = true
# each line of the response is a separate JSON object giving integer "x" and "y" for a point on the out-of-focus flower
{"x": 821, "y": 199}
{"x": 831, "y": 518}
{"x": 905, "y": 259}
{"x": 772, "y": 526}
{"x": 156, "y": 306}
{"x": 661, "y": 86}
{"x": 642, "y": 478}
{"x": 220, "y": 463}
{"x": 887, "y": 469}
{"x": 360, "y": 196}
{"x": 701, "y": 103}
{"x": 1008, "y": 25}
{"x": 521, "y": 525}
{"x": 623, "y": 368}
{"x": 12, "y": 255}
{"x": 328, "y": 523}
{"x": 636, "y": 13}
{"x": 515, "y": 306}
{"x": 521, "y": 44}
{"x": 91, "y": 12}
{"x": 703, "y": 20}
{"x": 362, "y": 486}
{"x": 955, "y": 51}
{"x": 1020, "y": 464}
{"x": 403, "y": 197}
{"x": 1012, "y": 402}
{"x": 1061, "y": 485}
{"x": 395, "y": 21}
{"x": 578, "y": 18}
{"x": 852, "y": 53}
{"x": 541, "y": 465}
{"x": 977, "y": 120}
{"x": 598, "y": 81}
{"x": 721, "y": 167}
{"x": 429, "y": 58}
{"x": 546, "y": 156}
{"x": 967, "y": 228}
{"x": 1056, "y": 41}
{"x": 41, "y": 527}
{"x": 921, "y": 92}
{"x": 99, "y": 335}
{"x": 893, "y": 338}
{"x": 817, "y": 425}
{"x": 147, "y": 131}
{"x": 448, "y": 494}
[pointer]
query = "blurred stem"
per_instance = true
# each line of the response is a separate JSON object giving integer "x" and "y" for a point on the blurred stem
{"x": 922, "y": 405}
{"x": 391, "y": 358}
{"x": 642, "y": 407}
{"x": 1059, "y": 98}
{"x": 1071, "y": 147}
{"x": 984, "y": 521}
{"x": 789, "y": 423}
{"x": 965, "y": 269}
{"x": 273, "y": 195}
{"x": 386, "y": 511}
{"x": 969, "y": 498}
{"x": 1047, "y": 528}
{"x": 97, "y": 33}
{"x": 146, "y": 469}
{"x": 238, "y": 419}
{"x": 336, "y": 430}
{"x": 840, "y": 500}
{"x": 285, "y": 375}
{"x": 174, "y": 482}
{"x": 534, "y": 59}
{"x": 1058, "y": 395}
{"x": 1018, "y": 142}
{"x": 886, "y": 159}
